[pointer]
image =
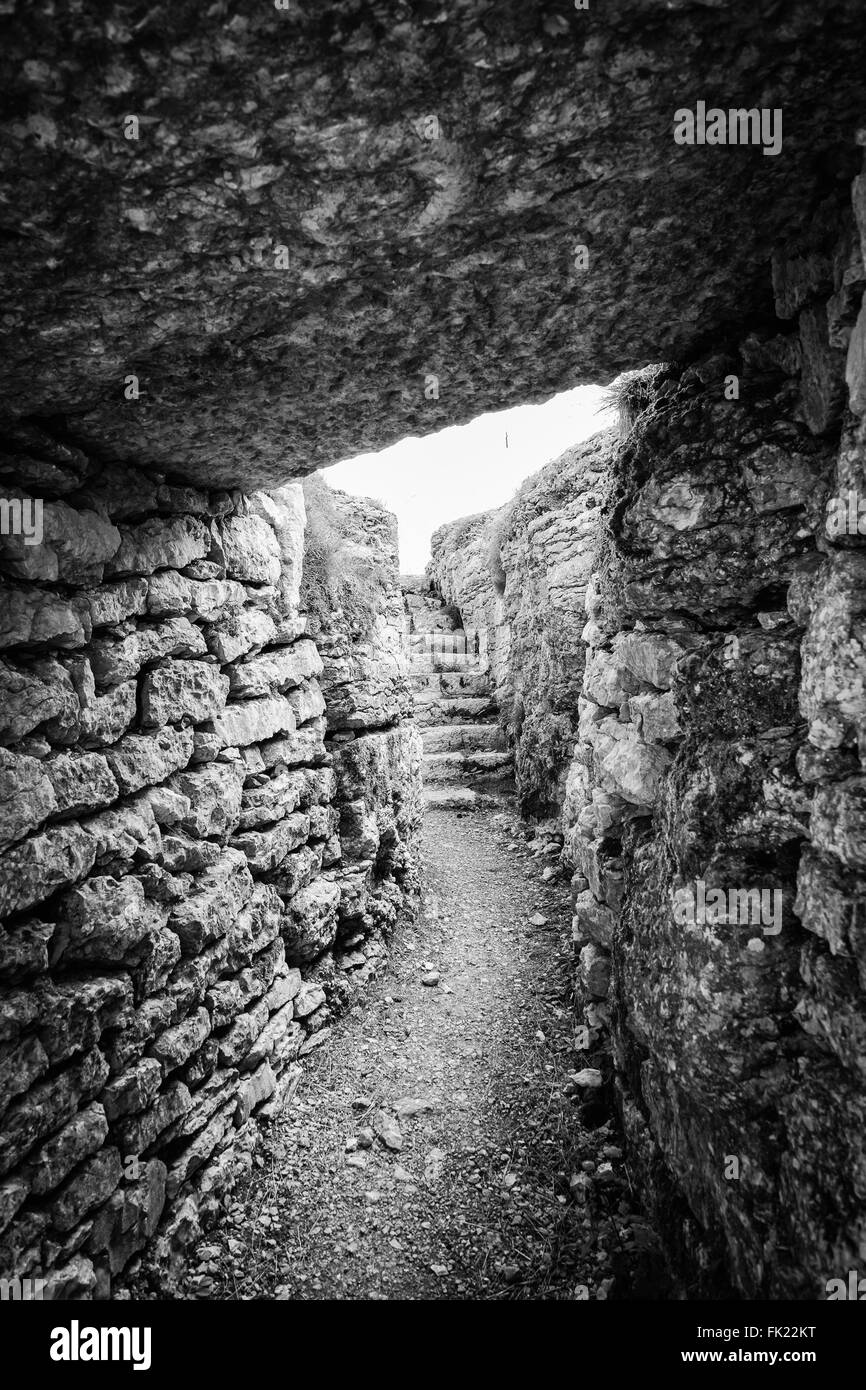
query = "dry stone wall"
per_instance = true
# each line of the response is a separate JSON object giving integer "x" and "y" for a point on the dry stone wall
{"x": 186, "y": 853}
{"x": 371, "y": 739}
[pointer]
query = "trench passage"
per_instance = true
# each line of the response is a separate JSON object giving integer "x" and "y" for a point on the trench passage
{"x": 477, "y": 1202}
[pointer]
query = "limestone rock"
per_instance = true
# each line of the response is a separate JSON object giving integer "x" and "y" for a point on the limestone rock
{"x": 130, "y": 1217}
{"x": 256, "y": 925}
{"x": 144, "y": 760}
{"x": 650, "y": 657}
{"x": 307, "y": 702}
{"x": 251, "y": 549}
{"x": 182, "y": 690}
{"x": 655, "y": 716}
{"x": 235, "y": 1044}
{"x": 120, "y": 659}
{"x": 839, "y": 822}
{"x": 80, "y": 1138}
{"x": 210, "y": 1097}
{"x": 177, "y": 1044}
{"x": 251, "y": 721}
{"x": 253, "y": 1091}
{"x": 32, "y": 617}
{"x": 48, "y": 1106}
{"x": 133, "y": 1090}
{"x": 267, "y": 849}
{"x": 239, "y": 633}
{"x": 73, "y": 547}
{"x": 277, "y": 670}
{"x": 104, "y": 920}
{"x": 198, "y": 1152}
{"x": 137, "y": 1132}
{"x": 101, "y": 718}
{"x": 277, "y": 1043}
{"x": 111, "y": 604}
{"x": 283, "y": 509}
{"x": 13, "y": 1194}
{"x": 595, "y": 971}
{"x": 32, "y": 870}
{"x": 214, "y": 794}
{"x": 75, "y": 1012}
{"x": 310, "y": 922}
{"x": 249, "y": 420}
{"x": 89, "y": 1187}
{"x": 33, "y": 693}
{"x": 26, "y": 795}
{"x": 208, "y": 913}
{"x": 81, "y": 782}
{"x": 21, "y": 1065}
{"x": 24, "y": 950}
{"x": 159, "y": 544}
{"x": 310, "y": 997}
{"x": 272, "y": 799}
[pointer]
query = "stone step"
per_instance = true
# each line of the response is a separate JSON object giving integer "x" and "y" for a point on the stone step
{"x": 424, "y": 664}
{"x": 438, "y": 621}
{"x": 462, "y": 709}
{"x": 456, "y": 799}
{"x": 463, "y": 738}
{"x": 454, "y": 767}
{"x": 433, "y": 645}
{"x": 423, "y": 597}
{"x": 433, "y": 685}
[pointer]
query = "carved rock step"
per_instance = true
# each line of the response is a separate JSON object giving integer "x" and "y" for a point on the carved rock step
{"x": 456, "y": 799}
{"x": 453, "y": 767}
{"x": 460, "y": 709}
{"x": 430, "y": 646}
{"x": 463, "y": 738}
{"x": 435, "y": 620}
{"x": 424, "y": 664}
{"x": 433, "y": 684}
{"x": 420, "y": 603}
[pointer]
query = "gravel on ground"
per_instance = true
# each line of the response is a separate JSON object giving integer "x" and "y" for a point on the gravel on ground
{"x": 434, "y": 1148}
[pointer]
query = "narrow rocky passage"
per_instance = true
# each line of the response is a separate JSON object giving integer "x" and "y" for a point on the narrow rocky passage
{"x": 433, "y": 1148}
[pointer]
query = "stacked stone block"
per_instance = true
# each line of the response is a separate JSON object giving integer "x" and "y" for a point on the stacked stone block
{"x": 172, "y": 883}
{"x": 375, "y": 750}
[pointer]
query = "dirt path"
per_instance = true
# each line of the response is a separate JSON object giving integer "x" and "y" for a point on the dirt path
{"x": 495, "y": 1190}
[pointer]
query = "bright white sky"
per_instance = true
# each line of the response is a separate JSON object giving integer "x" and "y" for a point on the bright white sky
{"x": 467, "y": 468}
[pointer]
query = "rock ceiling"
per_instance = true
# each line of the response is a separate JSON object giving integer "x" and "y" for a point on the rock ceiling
{"x": 328, "y": 205}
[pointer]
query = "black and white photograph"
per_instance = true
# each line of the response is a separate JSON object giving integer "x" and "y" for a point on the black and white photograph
{"x": 432, "y": 681}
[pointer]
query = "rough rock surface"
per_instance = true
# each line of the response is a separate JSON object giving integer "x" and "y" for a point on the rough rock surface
{"x": 719, "y": 748}
{"x": 351, "y": 586}
{"x": 316, "y": 207}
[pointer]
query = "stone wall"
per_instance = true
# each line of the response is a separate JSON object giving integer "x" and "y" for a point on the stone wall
{"x": 371, "y": 736}
{"x": 685, "y": 772}
{"x": 719, "y": 745}
{"x": 723, "y": 704}
{"x": 185, "y": 862}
